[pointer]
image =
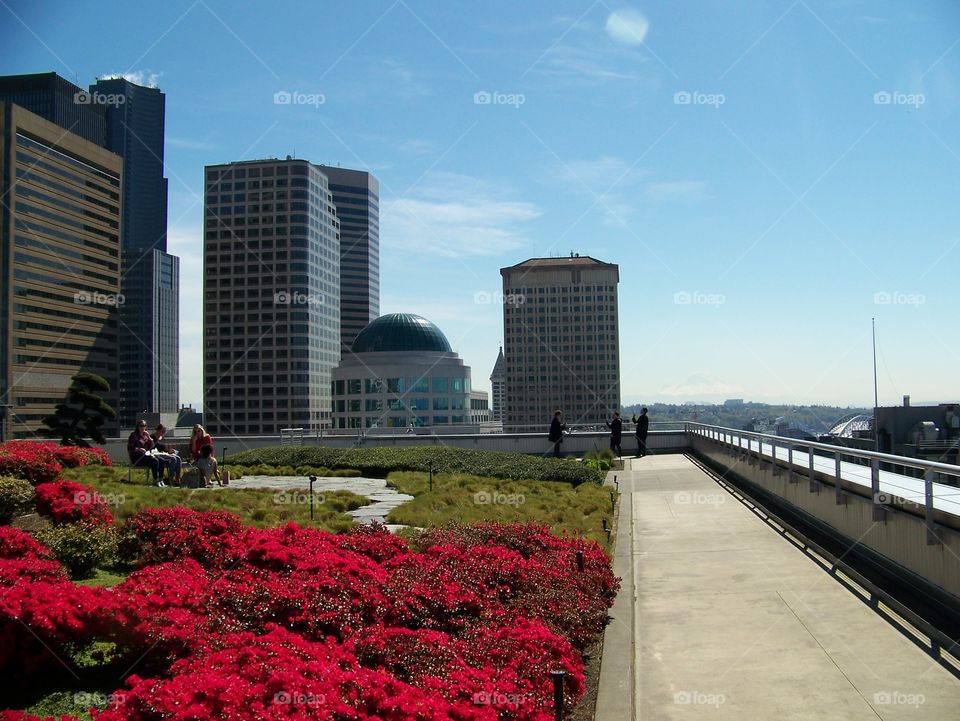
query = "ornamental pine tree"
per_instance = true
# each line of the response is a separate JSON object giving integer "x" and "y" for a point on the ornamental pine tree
{"x": 83, "y": 412}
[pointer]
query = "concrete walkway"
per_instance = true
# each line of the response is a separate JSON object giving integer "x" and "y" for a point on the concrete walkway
{"x": 721, "y": 618}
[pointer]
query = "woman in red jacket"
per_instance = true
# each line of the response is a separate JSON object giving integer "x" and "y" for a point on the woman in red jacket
{"x": 198, "y": 440}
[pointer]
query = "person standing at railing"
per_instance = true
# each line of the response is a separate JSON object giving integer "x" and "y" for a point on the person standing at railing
{"x": 616, "y": 433}
{"x": 557, "y": 427}
{"x": 643, "y": 425}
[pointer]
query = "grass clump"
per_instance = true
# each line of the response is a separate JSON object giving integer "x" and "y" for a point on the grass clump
{"x": 465, "y": 498}
{"x": 260, "y": 507}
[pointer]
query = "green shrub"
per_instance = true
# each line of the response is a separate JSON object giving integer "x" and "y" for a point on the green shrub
{"x": 599, "y": 460}
{"x": 379, "y": 461}
{"x": 80, "y": 547}
{"x": 16, "y": 497}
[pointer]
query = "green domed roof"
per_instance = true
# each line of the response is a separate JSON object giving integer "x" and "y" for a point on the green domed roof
{"x": 401, "y": 332}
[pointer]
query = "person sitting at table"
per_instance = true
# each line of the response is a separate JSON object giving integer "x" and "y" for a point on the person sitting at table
{"x": 140, "y": 448}
{"x": 168, "y": 455}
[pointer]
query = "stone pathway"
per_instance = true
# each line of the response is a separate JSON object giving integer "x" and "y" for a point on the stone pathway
{"x": 383, "y": 499}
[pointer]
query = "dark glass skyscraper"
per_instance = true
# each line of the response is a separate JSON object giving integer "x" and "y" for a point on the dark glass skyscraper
{"x": 356, "y": 197}
{"x": 150, "y": 283}
{"x": 128, "y": 120}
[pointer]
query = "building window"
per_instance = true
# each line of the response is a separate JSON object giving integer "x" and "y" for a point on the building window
{"x": 353, "y": 387}
{"x": 441, "y": 404}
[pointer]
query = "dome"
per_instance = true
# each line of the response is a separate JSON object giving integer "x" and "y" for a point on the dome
{"x": 401, "y": 332}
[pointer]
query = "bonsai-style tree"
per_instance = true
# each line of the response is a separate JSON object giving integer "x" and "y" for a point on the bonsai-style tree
{"x": 83, "y": 413}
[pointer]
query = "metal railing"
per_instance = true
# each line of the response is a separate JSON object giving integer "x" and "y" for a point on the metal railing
{"x": 930, "y": 486}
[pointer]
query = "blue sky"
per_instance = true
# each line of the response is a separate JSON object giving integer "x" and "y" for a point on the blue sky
{"x": 768, "y": 174}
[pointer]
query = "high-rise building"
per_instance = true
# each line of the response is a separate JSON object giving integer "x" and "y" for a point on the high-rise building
{"x": 561, "y": 341}
{"x": 271, "y": 297}
{"x": 356, "y": 195}
{"x": 150, "y": 283}
{"x": 59, "y": 101}
{"x": 60, "y": 255}
{"x": 127, "y": 119}
{"x": 498, "y": 384}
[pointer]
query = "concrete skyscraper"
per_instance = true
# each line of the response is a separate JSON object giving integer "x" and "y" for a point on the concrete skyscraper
{"x": 271, "y": 289}
{"x": 561, "y": 341}
{"x": 60, "y": 265}
{"x": 127, "y": 119}
{"x": 498, "y": 385}
{"x": 356, "y": 195}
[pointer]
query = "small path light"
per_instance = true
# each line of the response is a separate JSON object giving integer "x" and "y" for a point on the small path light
{"x": 558, "y": 677}
{"x": 613, "y": 501}
{"x": 312, "y": 481}
{"x": 580, "y": 561}
{"x": 605, "y": 527}
{"x": 430, "y": 469}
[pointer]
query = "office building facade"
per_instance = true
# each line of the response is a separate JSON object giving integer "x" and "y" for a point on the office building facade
{"x": 60, "y": 254}
{"x": 271, "y": 290}
{"x": 127, "y": 119}
{"x": 356, "y": 195}
{"x": 561, "y": 342}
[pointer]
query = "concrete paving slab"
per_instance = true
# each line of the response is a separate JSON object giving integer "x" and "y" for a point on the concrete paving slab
{"x": 730, "y": 621}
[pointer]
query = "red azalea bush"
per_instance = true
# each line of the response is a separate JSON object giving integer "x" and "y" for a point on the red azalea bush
{"x": 37, "y": 462}
{"x": 73, "y": 456}
{"x": 165, "y": 534}
{"x": 23, "y": 559}
{"x": 41, "y": 611}
{"x": 65, "y": 501}
{"x": 42, "y": 461}
{"x": 224, "y": 621}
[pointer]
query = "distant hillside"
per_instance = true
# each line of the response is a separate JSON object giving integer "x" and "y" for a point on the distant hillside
{"x": 815, "y": 419}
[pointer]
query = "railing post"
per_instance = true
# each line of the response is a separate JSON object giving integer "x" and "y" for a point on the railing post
{"x": 838, "y": 480}
{"x": 814, "y": 483}
{"x": 791, "y": 476}
{"x": 879, "y": 512}
{"x": 773, "y": 457}
{"x": 928, "y": 502}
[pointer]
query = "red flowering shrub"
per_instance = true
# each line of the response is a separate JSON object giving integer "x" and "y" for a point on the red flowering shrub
{"x": 374, "y": 541}
{"x": 65, "y": 501}
{"x": 40, "y": 610}
{"x": 21, "y": 716}
{"x": 23, "y": 559}
{"x": 73, "y": 456}
{"x": 37, "y": 462}
{"x": 224, "y": 621}
{"x": 166, "y": 534}
{"x": 279, "y": 675}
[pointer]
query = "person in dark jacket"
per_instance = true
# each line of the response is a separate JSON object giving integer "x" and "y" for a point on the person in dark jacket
{"x": 140, "y": 448}
{"x": 643, "y": 425}
{"x": 557, "y": 427}
{"x": 616, "y": 432}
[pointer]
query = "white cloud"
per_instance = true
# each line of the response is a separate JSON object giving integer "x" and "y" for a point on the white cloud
{"x": 669, "y": 190}
{"x": 601, "y": 173}
{"x": 189, "y": 144}
{"x": 140, "y": 77}
{"x": 627, "y": 26}
{"x": 456, "y": 216}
